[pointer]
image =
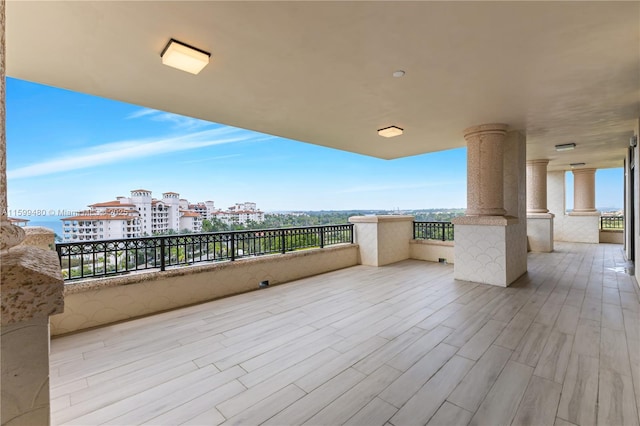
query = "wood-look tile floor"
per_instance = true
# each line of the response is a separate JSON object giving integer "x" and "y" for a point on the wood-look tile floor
{"x": 404, "y": 344}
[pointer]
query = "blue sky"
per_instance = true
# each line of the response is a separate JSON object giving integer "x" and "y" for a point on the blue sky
{"x": 66, "y": 150}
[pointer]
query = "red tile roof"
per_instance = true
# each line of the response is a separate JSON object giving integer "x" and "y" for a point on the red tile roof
{"x": 100, "y": 217}
{"x": 115, "y": 203}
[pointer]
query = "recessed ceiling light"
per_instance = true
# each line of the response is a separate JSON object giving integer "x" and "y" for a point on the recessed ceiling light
{"x": 389, "y": 132}
{"x": 399, "y": 73}
{"x": 577, "y": 164}
{"x": 184, "y": 57}
{"x": 565, "y": 146}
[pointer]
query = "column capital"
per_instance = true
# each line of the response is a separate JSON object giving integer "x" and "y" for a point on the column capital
{"x": 483, "y": 129}
{"x": 537, "y": 162}
{"x": 583, "y": 171}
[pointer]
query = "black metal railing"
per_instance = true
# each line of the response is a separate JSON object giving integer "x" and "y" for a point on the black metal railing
{"x": 110, "y": 257}
{"x": 612, "y": 222}
{"x": 442, "y": 231}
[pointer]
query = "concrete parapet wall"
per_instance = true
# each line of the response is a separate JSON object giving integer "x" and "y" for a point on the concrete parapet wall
{"x": 612, "y": 236}
{"x": 432, "y": 250}
{"x": 96, "y": 302}
{"x": 38, "y": 236}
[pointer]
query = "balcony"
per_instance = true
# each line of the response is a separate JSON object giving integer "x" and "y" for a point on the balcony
{"x": 404, "y": 343}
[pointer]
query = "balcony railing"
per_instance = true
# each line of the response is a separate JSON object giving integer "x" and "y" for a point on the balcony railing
{"x": 442, "y": 231}
{"x": 108, "y": 257}
{"x": 612, "y": 222}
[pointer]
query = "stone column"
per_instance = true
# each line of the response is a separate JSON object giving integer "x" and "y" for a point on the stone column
{"x": 539, "y": 221}
{"x": 583, "y": 223}
{"x": 537, "y": 186}
{"x": 485, "y": 180}
{"x": 584, "y": 191}
{"x": 490, "y": 240}
{"x": 30, "y": 290}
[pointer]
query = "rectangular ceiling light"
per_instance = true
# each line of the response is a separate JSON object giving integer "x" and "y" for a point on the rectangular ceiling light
{"x": 389, "y": 132}
{"x": 565, "y": 147}
{"x": 184, "y": 57}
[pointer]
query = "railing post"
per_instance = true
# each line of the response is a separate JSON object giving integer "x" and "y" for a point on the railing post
{"x": 601, "y": 222}
{"x": 443, "y": 227}
{"x": 414, "y": 229}
{"x": 351, "y": 233}
{"x": 162, "y": 254}
{"x": 233, "y": 246}
{"x": 282, "y": 241}
{"x": 322, "y": 237}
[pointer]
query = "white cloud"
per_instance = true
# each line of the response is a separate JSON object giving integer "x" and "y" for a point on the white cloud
{"x": 127, "y": 150}
{"x": 178, "y": 121}
{"x": 142, "y": 113}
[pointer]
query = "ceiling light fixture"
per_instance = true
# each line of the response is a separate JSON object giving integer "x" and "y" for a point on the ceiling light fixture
{"x": 184, "y": 57}
{"x": 577, "y": 164}
{"x": 565, "y": 147}
{"x": 389, "y": 132}
{"x": 399, "y": 73}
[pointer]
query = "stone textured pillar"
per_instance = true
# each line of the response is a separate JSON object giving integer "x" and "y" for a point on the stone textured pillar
{"x": 539, "y": 220}
{"x": 383, "y": 239}
{"x": 30, "y": 290}
{"x": 491, "y": 241}
{"x": 485, "y": 180}
{"x": 584, "y": 191}
{"x": 537, "y": 186}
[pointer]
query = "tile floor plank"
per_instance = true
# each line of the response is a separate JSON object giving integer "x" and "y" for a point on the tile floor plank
{"x": 475, "y": 385}
{"x": 539, "y": 403}
{"x": 578, "y": 403}
{"x": 500, "y": 405}
{"x": 450, "y": 415}
{"x": 423, "y": 405}
{"x": 402, "y": 389}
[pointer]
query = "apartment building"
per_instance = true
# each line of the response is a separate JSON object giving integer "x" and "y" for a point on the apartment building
{"x": 135, "y": 216}
{"x": 240, "y": 214}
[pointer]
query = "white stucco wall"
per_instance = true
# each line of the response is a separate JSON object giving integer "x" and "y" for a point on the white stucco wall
{"x": 432, "y": 250}
{"x": 383, "y": 239}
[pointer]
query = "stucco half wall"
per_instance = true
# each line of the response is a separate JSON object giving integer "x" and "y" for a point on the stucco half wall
{"x": 432, "y": 250}
{"x": 104, "y": 301}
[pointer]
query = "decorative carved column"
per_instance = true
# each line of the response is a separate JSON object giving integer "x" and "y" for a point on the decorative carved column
{"x": 584, "y": 191}
{"x": 485, "y": 180}
{"x": 537, "y": 186}
{"x": 30, "y": 290}
{"x": 539, "y": 220}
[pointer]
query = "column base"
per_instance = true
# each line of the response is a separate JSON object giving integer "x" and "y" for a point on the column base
{"x": 540, "y": 232}
{"x": 577, "y": 227}
{"x": 490, "y": 250}
{"x": 383, "y": 239}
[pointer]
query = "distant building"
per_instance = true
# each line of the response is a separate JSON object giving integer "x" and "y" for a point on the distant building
{"x": 142, "y": 215}
{"x": 18, "y": 221}
{"x": 135, "y": 216}
{"x": 206, "y": 209}
{"x": 241, "y": 214}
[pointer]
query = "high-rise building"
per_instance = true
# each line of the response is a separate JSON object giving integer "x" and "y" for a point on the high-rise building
{"x": 136, "y": 216}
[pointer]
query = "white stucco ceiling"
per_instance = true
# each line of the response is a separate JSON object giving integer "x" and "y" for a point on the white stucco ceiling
{"x": 321, "y": 72}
